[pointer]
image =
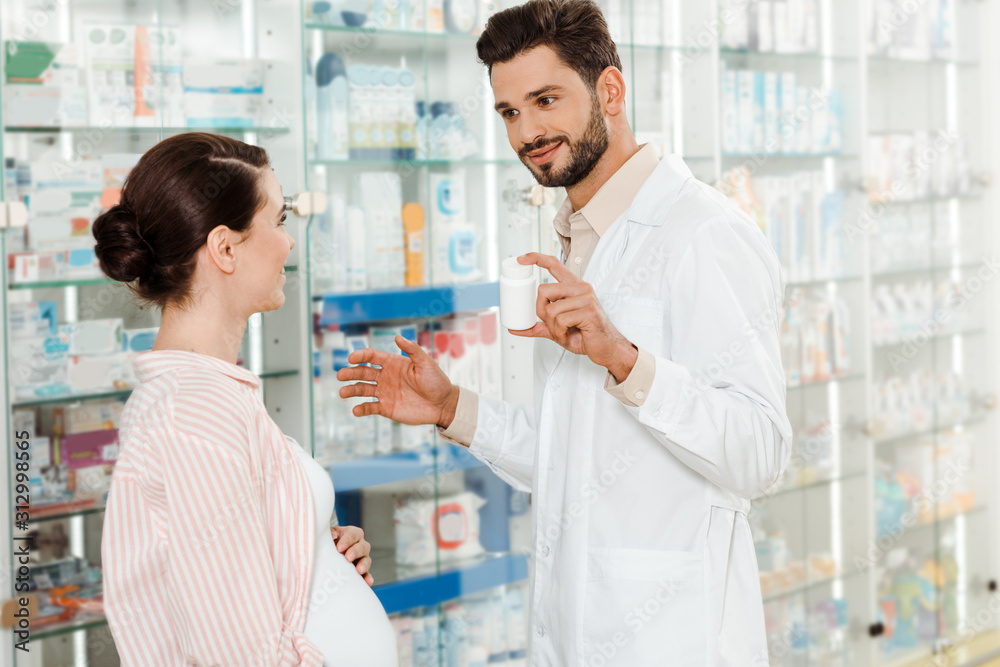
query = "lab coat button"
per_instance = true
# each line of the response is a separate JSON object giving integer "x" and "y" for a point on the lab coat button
{"x": 545, "y": 550}
{"x": 540, "y": 631}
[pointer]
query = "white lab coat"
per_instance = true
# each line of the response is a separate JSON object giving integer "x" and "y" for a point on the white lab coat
{"x": 642, "y": 552}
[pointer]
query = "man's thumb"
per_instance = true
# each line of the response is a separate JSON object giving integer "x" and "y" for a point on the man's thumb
{"x": 411, "y": 348}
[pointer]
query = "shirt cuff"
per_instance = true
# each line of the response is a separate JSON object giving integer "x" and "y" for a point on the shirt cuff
{"x": 635, "y": 388}
{"x": 463, "y": 428}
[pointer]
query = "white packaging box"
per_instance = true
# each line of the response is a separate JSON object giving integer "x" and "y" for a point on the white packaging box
{"x": 745, "y": 110}
{"x": 765, "y": 25}
{"x": 803, "y": 129}
{"x": 786, "y": 111}
{"x": 45, "y": 106}
{"x": 223, "y": 93}
{"x": 735, "y": 31}
{"x": 781, "y": 27}
{"x": 490, "y": 372}
{"x": 771, "y": 137}
{"x": 109, "y": 55}
{"x": 758, "y": 110}
{"x": 32, "y": 319}
{"x": 730, "y": 128}
{"x": 94, "y": 336}
{"x": 38, "y": 366}
{"x": 820, "y": 106}
{"x": 99, "y": 372}
{"x": 89, "y": 416}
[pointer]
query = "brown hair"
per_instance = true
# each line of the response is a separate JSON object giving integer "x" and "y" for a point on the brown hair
{"x": 574, "y": 29}
{"x": 180, "y": 190}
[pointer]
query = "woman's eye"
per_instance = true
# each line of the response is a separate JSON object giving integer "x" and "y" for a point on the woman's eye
{"x": 283, "y": 218}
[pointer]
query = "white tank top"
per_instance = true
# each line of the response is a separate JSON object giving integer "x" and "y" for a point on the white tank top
{"x": 344, "y": 618}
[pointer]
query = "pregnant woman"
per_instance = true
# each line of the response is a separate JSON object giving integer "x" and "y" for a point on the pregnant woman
{"x": 218, "y": 546}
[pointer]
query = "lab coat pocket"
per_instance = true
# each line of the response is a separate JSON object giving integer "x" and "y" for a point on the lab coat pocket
{"x": 644, "y": 607}
{"x": 639, "y": 319}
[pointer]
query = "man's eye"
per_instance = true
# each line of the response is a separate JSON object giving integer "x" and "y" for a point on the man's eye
{"x": 544, "y": 103}
{"x": 509, "y": 113}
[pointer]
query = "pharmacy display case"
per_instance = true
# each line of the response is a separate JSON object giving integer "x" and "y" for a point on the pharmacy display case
{"x": 850, "y": 132}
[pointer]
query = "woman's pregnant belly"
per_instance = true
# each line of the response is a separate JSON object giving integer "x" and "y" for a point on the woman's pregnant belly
{"x": 345, "y": 619}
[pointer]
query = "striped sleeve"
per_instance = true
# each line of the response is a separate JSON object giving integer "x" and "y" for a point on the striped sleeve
{"x": 222, "y": 596}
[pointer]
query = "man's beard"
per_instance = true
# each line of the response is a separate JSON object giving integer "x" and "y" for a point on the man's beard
{"x": 583, "y": 154}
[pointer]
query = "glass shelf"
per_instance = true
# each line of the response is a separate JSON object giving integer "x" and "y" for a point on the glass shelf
{"x": 936, "y": 337}
{"x": 825, "y": 481}
{"x": 362, "y": 30}
{"x": 921, "y": 525}
{"x": 38, "y": 517}
{"x": 397, "y": 467}
{"x": 934, "y": 199}
{"x": 128, "y": 129}
{"x": 850, "y": 377}
{"x": 412, "y": 302}
{"x": 69, "y": 397}
{"x": 976, "y": 419}
{"x": 892, "y": 273}
{"x": 84, "y": 282}
{"x": 798, "y": 57}
{"x": 270, "y": 375}
{"x": 476, "y": 162}
{"x": 932, "y": 62}
{"x": 810, "y": 585}
{"x": 821, "y": 282}
{"x": 81, "y": 621}
{"x": 410, "y": 588}
{"x": 788, "y": 156}
{"x": 56, "y": 284}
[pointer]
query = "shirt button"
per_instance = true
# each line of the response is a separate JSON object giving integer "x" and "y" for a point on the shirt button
{"x": 639, "y": 394}
{"x": 540, "y": 631}
{"x": 545, "y": 550}
{"x": 578, "y": 261}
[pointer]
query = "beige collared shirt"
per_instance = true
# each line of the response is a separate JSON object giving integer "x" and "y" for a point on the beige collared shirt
{"x": 579, "y": 233}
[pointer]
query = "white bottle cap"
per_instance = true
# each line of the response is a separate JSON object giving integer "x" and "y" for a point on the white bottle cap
{"x": 511, "y": 268}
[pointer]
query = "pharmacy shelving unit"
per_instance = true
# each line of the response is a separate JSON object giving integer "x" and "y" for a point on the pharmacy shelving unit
{"x": 59, "y": 137}
{"x": 833, "y": 584}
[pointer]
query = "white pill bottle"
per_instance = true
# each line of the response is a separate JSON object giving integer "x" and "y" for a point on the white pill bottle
{"x": 518, "y": 293}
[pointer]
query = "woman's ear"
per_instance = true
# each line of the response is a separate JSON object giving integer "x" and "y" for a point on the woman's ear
{"x": 221, "y": 247}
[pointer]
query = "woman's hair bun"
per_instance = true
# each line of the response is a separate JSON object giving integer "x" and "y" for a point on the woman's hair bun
{"x": 124, "y": 255}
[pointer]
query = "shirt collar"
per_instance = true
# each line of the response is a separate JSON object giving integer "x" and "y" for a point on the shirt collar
{"x": 153, "y": 363}
{"x": 615, "y": 196}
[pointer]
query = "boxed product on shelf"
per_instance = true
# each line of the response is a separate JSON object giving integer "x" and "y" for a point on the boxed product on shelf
{"x": 224, "y": 92}
{"x": 815, "y": 338}
{"x": 455, "y": 252}
{"x": 39, "y": 366}
{"x": 769, "y": 112}
{"x": 91, "y": 448}
{"x": 44, "y": 85}
{"x": 99, "y": 372}
{"x": 31, "y": 319}
{"x": 73, "y": 418}
{"x": 445, "y": 530}
{"x": 783, "y": 26}
{"x": 94, "y": 336}
{"x": 923, "y": 31}
{"x": 917, "y": 165}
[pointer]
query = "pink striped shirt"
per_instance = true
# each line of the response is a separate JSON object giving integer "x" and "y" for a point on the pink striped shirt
{"x": 208, "y": 535}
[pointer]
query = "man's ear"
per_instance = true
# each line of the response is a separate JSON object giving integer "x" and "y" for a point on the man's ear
{"x": 221, "y": 248}
{"x": 611, "y": 90}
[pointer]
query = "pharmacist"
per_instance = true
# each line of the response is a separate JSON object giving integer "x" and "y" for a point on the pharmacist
{"x": 659, "y": 397}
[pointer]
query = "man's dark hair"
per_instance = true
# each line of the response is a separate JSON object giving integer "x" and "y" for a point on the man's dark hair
{"x": 574, "y": 29}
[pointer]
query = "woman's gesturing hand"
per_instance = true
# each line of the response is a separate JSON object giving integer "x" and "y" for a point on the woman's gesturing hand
{"x": 350, "y": 541}
{"x": 410, "y": 389}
